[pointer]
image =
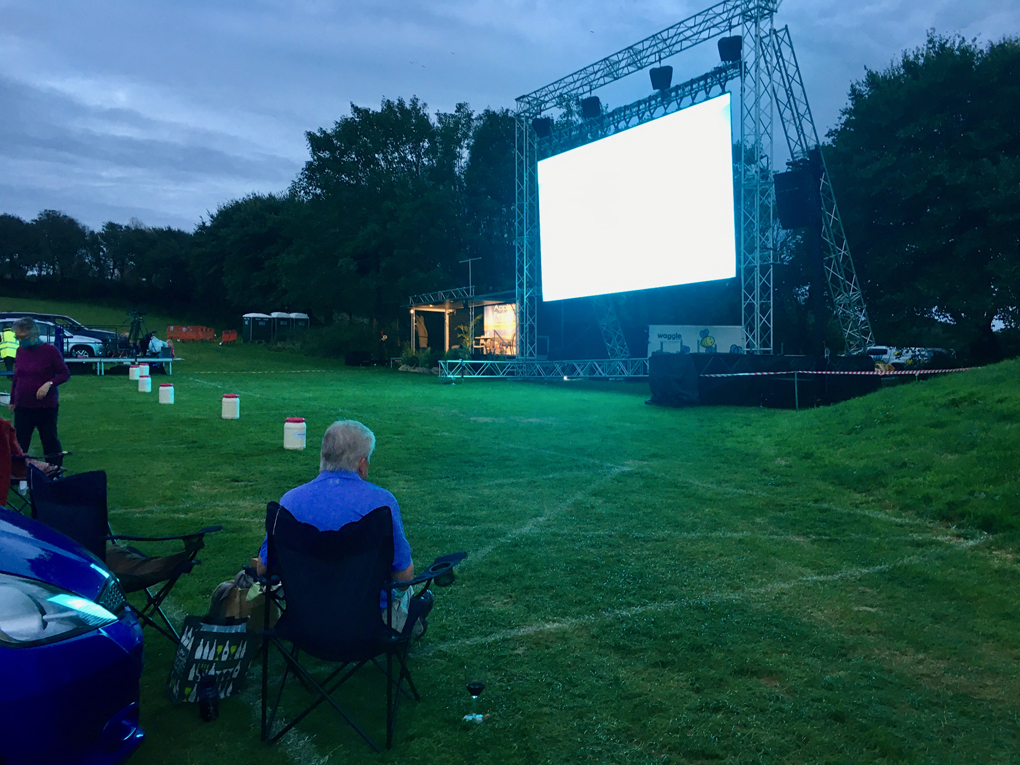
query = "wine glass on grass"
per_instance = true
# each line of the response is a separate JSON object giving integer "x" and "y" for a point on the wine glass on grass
{"x": 475, "y": 676}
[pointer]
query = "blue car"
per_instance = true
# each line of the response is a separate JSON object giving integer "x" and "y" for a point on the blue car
{"x": 70, "y": 652}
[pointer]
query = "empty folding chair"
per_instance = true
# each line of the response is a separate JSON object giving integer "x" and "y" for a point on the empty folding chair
{"x": 76, "y": 506}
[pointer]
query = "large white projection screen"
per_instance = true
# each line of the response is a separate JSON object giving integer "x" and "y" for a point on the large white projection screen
{"x": 649, "y": 207}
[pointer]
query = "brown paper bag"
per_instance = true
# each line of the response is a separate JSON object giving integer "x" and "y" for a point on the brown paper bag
{"x": 240, "y": 599}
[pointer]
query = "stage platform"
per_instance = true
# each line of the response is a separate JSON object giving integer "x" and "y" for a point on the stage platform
{"x": 785, "y": 382}
{"x": 101, "y": 364}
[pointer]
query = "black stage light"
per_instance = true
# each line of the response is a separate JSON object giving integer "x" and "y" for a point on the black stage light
{"x": 591, "y": 107}
{"x": 662, "y": 77}
{"x": 542, "y": 126}
{"x": 730, "y": 48}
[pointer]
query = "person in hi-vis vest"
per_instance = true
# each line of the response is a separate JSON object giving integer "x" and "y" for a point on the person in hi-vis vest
{"x": 8, "y": 348}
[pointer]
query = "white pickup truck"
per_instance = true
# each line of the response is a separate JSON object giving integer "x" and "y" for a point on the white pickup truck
{"x": 903, "y": 358}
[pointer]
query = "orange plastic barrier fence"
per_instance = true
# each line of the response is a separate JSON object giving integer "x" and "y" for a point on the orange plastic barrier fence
{"x": 229, "y": 336}
{"x": 190, "y": 333}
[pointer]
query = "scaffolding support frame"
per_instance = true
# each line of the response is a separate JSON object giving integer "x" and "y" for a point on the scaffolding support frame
{"x": 769, "y": 81}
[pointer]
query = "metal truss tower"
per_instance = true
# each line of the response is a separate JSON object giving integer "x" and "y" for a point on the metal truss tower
{"x": 802, "y": 138}
{"x": 757, "y": 192}
{"x": 526, "y": 240}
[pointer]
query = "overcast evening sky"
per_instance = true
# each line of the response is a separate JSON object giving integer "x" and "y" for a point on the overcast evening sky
{"x": 161, "y": 111}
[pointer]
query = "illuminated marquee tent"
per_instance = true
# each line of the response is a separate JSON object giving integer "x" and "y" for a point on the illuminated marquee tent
{"x": 498, "y": 335}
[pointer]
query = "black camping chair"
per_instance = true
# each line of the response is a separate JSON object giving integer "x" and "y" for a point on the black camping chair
{"x": 331, "y": 584}
{"x": 76, "y": 507}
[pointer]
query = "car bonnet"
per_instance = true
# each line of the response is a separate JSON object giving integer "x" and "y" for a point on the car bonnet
{"x": 32, "y": 550}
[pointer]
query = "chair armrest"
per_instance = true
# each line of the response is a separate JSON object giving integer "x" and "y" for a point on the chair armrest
{"x": 441, "y": 567}
{"x": 206, "y": 530}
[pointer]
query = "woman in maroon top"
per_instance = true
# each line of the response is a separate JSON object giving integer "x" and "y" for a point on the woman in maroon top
{"x": 38, "y": 370}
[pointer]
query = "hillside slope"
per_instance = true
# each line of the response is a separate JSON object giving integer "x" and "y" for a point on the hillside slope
{"x": 945, "y": 448}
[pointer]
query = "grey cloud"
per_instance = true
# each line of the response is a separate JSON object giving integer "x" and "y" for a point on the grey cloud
{"x": 204, "y": 99}
{"x": 44, "y": 147}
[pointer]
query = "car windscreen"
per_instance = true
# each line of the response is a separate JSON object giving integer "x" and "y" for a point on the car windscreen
{"x": 47, "y": 331}
{"x": 68, "y": 322}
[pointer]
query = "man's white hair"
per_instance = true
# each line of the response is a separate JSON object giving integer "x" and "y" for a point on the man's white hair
{"x": 344, "y": 445}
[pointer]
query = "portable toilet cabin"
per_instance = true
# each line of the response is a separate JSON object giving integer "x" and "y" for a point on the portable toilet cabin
{"x": 299, "y": 320}
{"x": 281, "y": 324}
{"x": 258, "y": 328}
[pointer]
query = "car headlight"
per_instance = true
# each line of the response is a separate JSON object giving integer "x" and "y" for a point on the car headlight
{"x": 32, "y": 613}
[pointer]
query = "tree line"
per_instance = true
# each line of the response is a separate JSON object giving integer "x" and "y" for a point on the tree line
{"x": 925, "y": 162}
{"x": 389, "y": 202}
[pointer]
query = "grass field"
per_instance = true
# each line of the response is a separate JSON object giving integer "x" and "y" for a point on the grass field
{"x": 646, "y": 585}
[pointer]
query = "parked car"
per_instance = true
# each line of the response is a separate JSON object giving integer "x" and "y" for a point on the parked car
{"x": 903, "y": 358}
{"x": 70, "y": 652}
{"x": 79, "y": 340}
{"x": 79, "y": 346}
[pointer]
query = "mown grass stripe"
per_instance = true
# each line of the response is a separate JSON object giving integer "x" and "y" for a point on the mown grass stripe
{"x": 675, "y": 605}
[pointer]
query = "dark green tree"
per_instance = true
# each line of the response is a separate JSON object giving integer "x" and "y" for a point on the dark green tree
{"x": 163, "y": 264}
{"x": 489, "y": 200}
{"x": 237, "y": 254}
{"x": 127, "y": 253}
{"x": 63, "y": 243}
{"x": 926, "y": 164}
{"x": 118, "y": 254}
{"x": 385, "y": 193}
{"x": 19, "y": 247}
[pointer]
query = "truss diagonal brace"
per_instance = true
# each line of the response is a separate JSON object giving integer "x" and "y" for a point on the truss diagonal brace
{"x": 802, "y": 139}
{"x": 609, "y": 324}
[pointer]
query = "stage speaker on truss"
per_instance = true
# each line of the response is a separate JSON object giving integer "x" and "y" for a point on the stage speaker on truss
{"x": 798, "y": 200}
{"x": 542, "y": 126}
{"x": 730, "y": 48}
{"x": 662, "y": 77}
{"x": 591, "y": 107}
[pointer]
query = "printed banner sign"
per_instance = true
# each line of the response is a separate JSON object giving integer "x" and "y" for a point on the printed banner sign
{"x": 500, "y": 328}
{"x": 501, "y": 319}
{"x": 695, "y": 338}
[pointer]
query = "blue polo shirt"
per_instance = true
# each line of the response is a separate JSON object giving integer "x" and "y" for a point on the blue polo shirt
{"x": 335, "y": 499}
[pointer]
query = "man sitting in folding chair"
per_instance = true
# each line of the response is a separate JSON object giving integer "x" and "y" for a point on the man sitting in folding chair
{"x": 336, "y": 546}
{"x": 342, "y": 494}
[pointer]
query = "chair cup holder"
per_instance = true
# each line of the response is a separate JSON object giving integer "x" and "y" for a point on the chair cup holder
{"x": 442, "y": 574}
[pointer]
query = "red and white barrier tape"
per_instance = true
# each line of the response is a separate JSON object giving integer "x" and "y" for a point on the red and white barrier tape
{"x": 813, "y": 372}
